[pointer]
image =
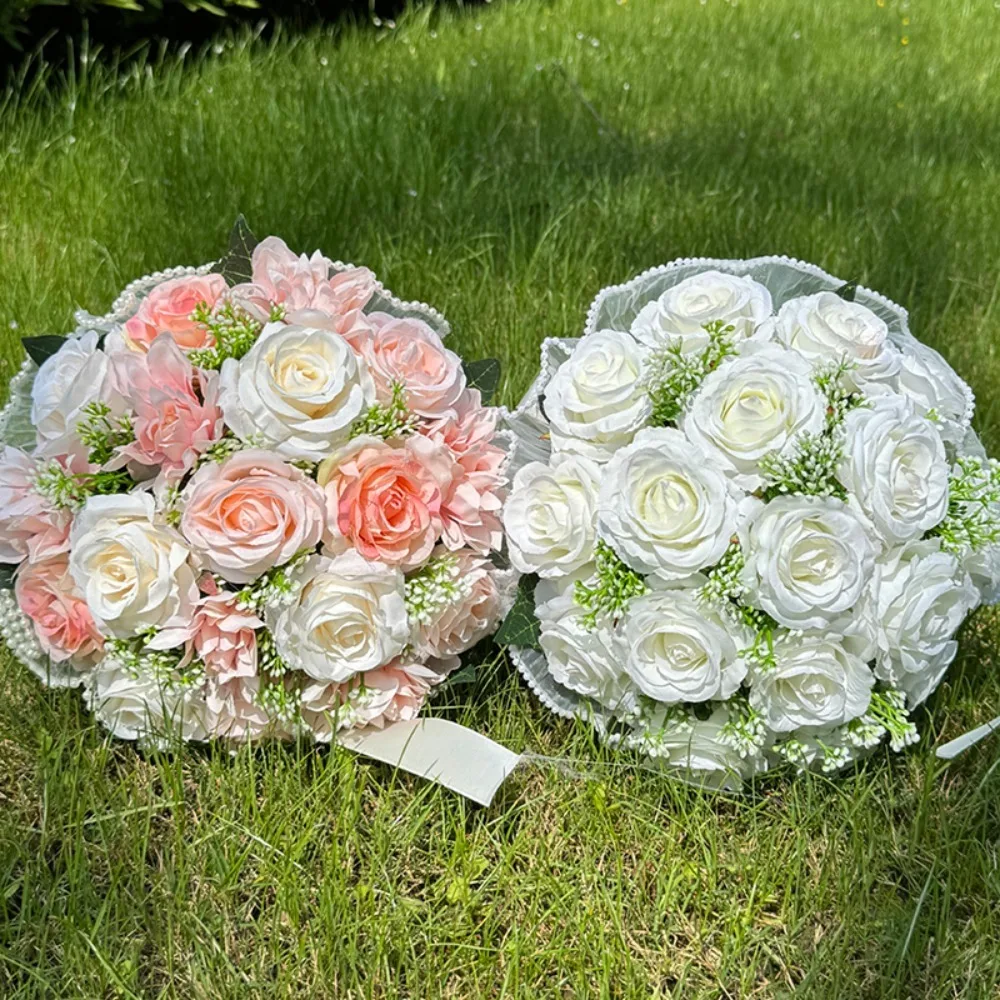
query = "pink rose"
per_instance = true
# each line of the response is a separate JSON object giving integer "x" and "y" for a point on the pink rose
{"x": 383, "y": 501}
{"x": 29, "y": 524}
{"x": 251, "y": 513}
{"x": 46, "y": 593}
{"x": 409, "y": 352}
{"x": 301, "y": 285}
{"x": 393, "y": 693}
{"x": 176, "y": 415}
{"x": 459, "y": 626}
{"x": 168, "y": 308}
{"x": 224, "y": 636}
{"x": 234, "y": 710}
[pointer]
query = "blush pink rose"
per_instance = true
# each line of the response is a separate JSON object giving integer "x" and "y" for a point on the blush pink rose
{"x": 225, "y": 636}
{"x": 383, "y": 501}
{"x": 168, "y": 308}
{"x": 251, "y": 513}
{"x": 459, "y": 626}
{"x": 409, "y": 352}
{"x": 30, "y": 526}
{"x": 176, "y": 414}
{"x": 46, "y": 593}
{"x": 393, "y": 693}
{"x": 470, "y": 425}
{"x": 301, "y": 285}
{"x": 234, "y": 709}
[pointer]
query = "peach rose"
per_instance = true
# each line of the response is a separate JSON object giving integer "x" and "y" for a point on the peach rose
{"x": 409, "y": 352}
{"x": 393, "y": 693}
{"x": 176, "y": 414}
{"x": 383, "y": 501}
{"x": 168, "y": 308}
{"x": 46, "y": 593}
{"x": 251, "y": 513}
{"x": 474, "y": 615}
{"x": 301, "y": 284}
{"x": 29, "y": 524}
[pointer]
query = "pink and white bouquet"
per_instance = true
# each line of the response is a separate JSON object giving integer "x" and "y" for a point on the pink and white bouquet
{"x": 751, "y": 514}
{"x": 254, "y": 500}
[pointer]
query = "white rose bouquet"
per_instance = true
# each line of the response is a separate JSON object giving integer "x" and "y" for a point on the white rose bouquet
{"x": 751, "y": 516}
{"x": 259, "y": 499}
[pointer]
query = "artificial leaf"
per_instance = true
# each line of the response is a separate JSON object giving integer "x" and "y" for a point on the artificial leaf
{"x": 235, "y": 264}
{"x": 483, "y": 375}
{"x": 521, "y": 626}
{"x": 848, "y": 290}
{"x": 40, "y": 349}
{"x": 7, "y": 575}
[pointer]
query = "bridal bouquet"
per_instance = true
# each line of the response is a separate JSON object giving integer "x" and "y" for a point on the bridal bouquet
{"x": 751, "y": 515}
{"x": 253, "y": 500}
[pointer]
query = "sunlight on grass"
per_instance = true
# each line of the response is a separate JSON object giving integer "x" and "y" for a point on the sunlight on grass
{"x": 504, "y": 164}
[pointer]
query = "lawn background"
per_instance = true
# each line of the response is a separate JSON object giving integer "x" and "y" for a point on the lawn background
{"x": 503, "y": 164}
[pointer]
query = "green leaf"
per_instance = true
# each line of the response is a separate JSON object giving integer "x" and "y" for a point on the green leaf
{"x": 40, "y": 349}
{"x": 848, "y": 290}
{"x": 234, "y": 265}
{"x": 483, "y": 375}
{"x": 521, "y": 626}
{"x": 7, "y": 575}
{"x": 464, "y": 676}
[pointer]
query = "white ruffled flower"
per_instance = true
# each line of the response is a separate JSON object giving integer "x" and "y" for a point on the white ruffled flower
{"x": 753, "y": 405}
{"x": 597, "y": 400}
{"x": 816, "y": 682}
{"x": 588, "y": 661}
{"x": 681, "y": 313}
{"x": 824, "y": 327}
{"x": 665, "y": 507}
{"x": 136, "y": 574}
{"x": 895, "y": 464}
{"x": 348, "y": 617}
{"x": 297, "y": 391}
{"x": 682, "y": 650}
{"x": 808, "y": 560}
{"x": 937, "y": 391}
{"x": 921, "y": 597}
{"x": 551, "y": 515}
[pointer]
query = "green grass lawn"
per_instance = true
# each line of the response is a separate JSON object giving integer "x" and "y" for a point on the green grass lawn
{"x": 504, "y": 165}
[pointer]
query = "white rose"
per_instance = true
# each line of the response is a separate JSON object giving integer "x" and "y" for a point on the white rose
{"x": 76, "y": 375}
{"x": 824, "y": 327}
{"x": 143, "y": 707}
{"x": 937, "y": 391}
{"x": 808, "y": 560}
{"x": 596, "y": 400}
{"x": 816, "y": 682}
{"x": 136, "y": 574}
{"x": 895, "y": 464}
{"x": 983, "y": 565}
{"x": 296, "y": 391}
{"x": 665, "y": 507}
{"x": 551, "y": 515}
{"x": 348, "y": 617}
{"x": 680, "y": 649}
{"x": 751, "y": 406}
{"x": 921, "y": 597}
{"x": 681, "y": 313}
{"x": 698, "y": 748}
{"x": 588, "y": 661}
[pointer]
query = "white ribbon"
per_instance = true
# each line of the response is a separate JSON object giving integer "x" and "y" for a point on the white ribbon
{"x": 441, "y": 751}
{"x": 949, "y": 751}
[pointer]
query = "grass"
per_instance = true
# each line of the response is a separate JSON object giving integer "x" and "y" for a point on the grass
{"x": 504, "y": 164}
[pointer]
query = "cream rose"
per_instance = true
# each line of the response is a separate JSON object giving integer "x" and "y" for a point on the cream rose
{"x": 751, "y": 406}
{"x": 921, "y": 597}
{"x": 808, "y": 560}
{"x": 596, "y": 400}
{"x": 588, "y": 661}
{"x": 680, "y": 649}
{"x": 551, "y": 515}
{"x": 825, "y": 327}
{"x": 815, "y": 682}
{"x": 297, "y": 391}
{"x": 664, "y": 507}
{"x": 348, "y": 617}
{"x": 895, "y": 464}
{"x": 135, "y": 573}
{"x": 681, "y": 313}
